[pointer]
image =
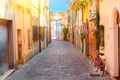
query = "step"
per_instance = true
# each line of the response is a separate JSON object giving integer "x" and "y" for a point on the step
{"x": 6, "y": 74}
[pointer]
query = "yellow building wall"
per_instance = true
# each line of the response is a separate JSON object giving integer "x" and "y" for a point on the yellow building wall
{"x": 85, "y": 16}
{"x": 18, "y": 5}
{"x": 63, "y": 24}
{"x": 86, "y": 12}
{"x": 44, "y": 9}
{"x": 35, "y": 7}
{"x": 7, "y": 9}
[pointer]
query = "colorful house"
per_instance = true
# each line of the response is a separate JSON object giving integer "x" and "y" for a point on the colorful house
{"x": 44, "y": 23}
{"x": 20, "y": 31}
{"x": 110, "y": 19}
{"x": 26, "y": 30}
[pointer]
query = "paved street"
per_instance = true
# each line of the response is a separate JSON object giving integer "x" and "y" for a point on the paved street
{"x": 60, "y": 61}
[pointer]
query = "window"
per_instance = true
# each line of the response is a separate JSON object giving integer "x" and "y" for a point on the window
{"x": 42, "y": 33}
{"x": 29, "y": 38}
{"x": 35, "y": 33}
{"x": 102, "y": 36}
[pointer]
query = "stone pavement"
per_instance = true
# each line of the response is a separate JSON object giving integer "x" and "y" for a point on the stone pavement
{"x": 60, "y": 61}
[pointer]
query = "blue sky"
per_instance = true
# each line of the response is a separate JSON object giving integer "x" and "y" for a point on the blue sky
{"x": 59, "y": 5}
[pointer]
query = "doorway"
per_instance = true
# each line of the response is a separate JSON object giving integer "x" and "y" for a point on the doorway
{"x": 118, "y": 23}
{"x": 3, "y": 49}
{"x": 117, "y": 38}
{"x": 19, "y": 44}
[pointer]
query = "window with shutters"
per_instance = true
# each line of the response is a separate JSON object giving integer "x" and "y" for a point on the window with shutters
{"x": 102, "y": 38}
{"x": 29, "y": 38}
{"x": 35, "y": 33}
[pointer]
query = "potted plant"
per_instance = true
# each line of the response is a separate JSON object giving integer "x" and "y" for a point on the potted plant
{"x": 65, "y": 33}
{"x": 82, "y": 35}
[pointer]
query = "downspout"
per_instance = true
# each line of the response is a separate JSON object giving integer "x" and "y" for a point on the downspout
{"x": 39, "y": 25}
{"x": 14, "y": 38}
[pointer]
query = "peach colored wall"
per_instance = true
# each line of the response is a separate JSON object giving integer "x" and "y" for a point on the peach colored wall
{"x": 111, "y": 48}
{"x": 6, "y": 8}
{"x": 26, "y": 27}
{"x": 7, "y": 13}
{"x": 22, "y": 21}
{"x": 18, "y": 25}
{"x": 11, "y": 44}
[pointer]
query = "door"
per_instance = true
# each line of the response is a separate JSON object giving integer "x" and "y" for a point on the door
{"x": 118, "y": 23}
{"x": 19, "y": 44}
{"x": 119, "y": 47}
{"x": 3, "y": 49}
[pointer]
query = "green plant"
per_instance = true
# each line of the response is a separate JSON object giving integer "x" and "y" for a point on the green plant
{"x": 84, "y": 2}
{"x": 101, "y": 27}
{"x": 65, "y": 32}
{"x": 82, "y": 36}
{"x": 81, "y": 3}
{"x": 97, "y": 31}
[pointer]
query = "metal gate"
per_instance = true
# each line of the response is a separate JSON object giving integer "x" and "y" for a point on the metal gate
{"x": 3, "y": 49}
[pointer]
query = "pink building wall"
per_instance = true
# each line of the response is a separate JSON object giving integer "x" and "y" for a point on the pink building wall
{"x": 107, "y": 12}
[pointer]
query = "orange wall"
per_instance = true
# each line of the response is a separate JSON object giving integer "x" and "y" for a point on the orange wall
{"x": 18, "y": 25}
{"x": 23, "y": 21}
{"x": 26, "y": 27}
{"x": 92, "y": 39}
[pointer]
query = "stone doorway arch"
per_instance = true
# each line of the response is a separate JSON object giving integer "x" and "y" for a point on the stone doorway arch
{"x": 115, "y": 42}
{"x": 117, "y": 25}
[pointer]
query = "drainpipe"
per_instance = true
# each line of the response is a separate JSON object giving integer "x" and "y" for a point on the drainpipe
{"x": 39, "y": 25}
{"x": 14, "y": 41}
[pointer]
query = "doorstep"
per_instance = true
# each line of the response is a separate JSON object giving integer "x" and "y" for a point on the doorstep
{"x": 6, "y": 74}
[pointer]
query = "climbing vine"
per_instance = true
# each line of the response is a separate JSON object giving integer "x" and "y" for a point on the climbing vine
{"x": 97, "y": 31}
{"x": 81, "y": 3}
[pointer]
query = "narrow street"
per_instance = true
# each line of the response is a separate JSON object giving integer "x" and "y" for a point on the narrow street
{"x": 59, "y": 61}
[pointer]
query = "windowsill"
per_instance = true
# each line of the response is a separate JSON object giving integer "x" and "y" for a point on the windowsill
{"x": 102, "y": 49}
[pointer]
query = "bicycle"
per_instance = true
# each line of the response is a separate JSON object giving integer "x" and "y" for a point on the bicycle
{"x": 99, "y": 63}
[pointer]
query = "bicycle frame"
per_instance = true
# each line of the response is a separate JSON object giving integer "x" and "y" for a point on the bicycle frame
{"x": 100, "y": 64}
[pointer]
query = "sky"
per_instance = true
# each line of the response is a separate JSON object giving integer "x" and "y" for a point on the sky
{"x": 59, "y": 5}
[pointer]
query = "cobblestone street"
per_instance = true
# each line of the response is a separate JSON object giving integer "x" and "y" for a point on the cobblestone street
{"x": 60, "y": 61}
